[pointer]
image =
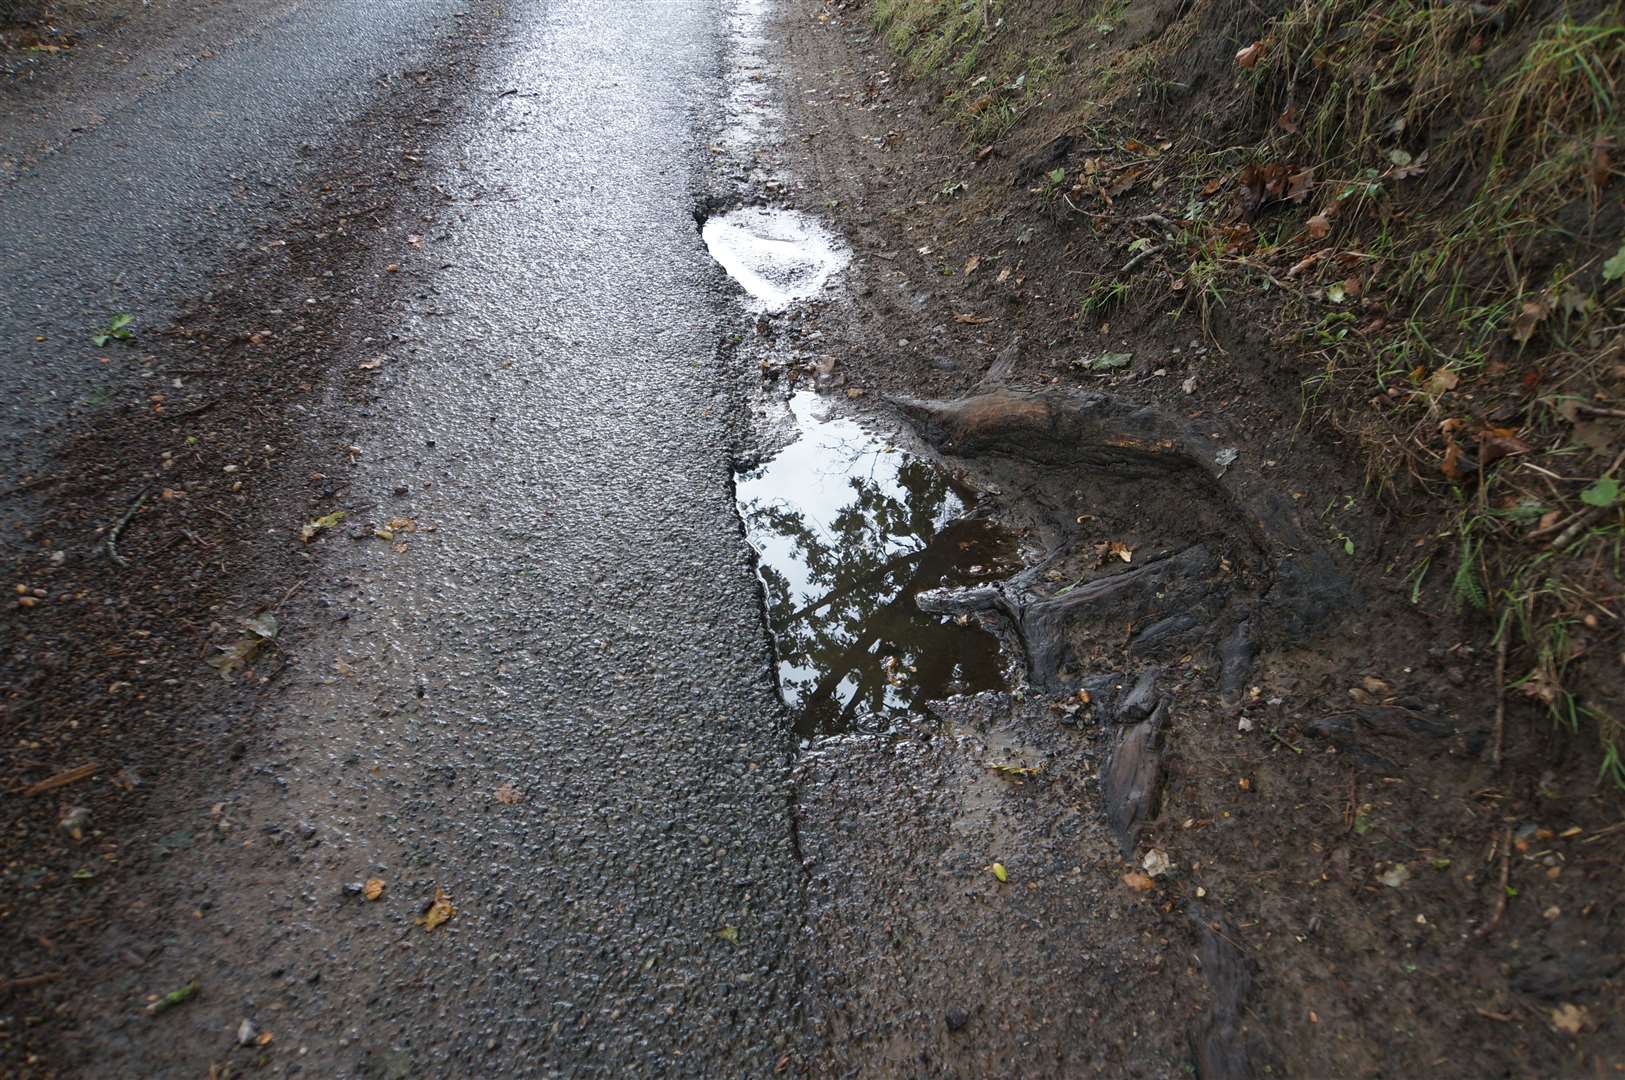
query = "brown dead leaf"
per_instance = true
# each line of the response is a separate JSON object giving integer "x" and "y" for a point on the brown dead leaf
{"x": 373, "y": 889}
{"x": 1212, "y": 186}
{"x": 372, "y": 364}
{"x": 1601, "y": 167}
{"x": 1139, "y": 881}
{"x": 264, "y": 1039}
{"x": 1305, "y": 263}
{"x": 438, "y": 911}
{"x": 1496, "y": 443}
{"x": 507, "y": 794}
{"x": 1289, "y": 120}
{"x": 1298, "y": 185}
{"x": 1122, "y": 551}
{"x": 1441, "y": 380}
{"x": 1318, "y": 227}
{"x": 974, "y": 320}
{"x": 1528, "y": 320}
{"x": 1451, "y": 463}
{"x": 1570, "y": 1019}
{"x": 971, "y": 264}
{"x": 1249, "y": 56}
{"x": 1125, "y": 180}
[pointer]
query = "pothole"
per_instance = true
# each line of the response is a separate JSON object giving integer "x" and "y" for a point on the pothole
{"x": 848, "y": 529}
{"x": 777, "y": 256}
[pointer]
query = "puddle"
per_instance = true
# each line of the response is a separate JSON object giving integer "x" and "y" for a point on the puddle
{"x": 847, "y": 531}
{"x": 778, "y": 256}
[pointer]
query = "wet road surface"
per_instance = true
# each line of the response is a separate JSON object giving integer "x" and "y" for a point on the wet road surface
{"x": 534, "y": 675}
{"x": 125, "y": 215}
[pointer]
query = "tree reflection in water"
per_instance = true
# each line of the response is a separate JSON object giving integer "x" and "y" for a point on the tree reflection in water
{"x": 847, "y": 532}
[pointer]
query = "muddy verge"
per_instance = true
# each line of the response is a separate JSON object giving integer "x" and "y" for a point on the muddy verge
{"x": 1240, "y": 812}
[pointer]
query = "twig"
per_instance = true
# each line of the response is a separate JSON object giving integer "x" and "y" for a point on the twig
{"x": 1140, "y": 258}
{"x": 30, "y": 980}
{"x": 1283, "y": 742}
{"x": 1501, "y": 893}
{"x": 113, "y": 534}
{"x": 1066, "y": 198}
{"x": 1500, "y": 697}
{"x": 1580, "y": 523}
{"x": 62, "y": 779}
{"x": 285, "y": 596}
{"x": 195, "y": 411}
{"x": 1594, "y": 410}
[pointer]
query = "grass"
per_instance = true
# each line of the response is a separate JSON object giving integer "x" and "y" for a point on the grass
{"x": 1464, "y": 165}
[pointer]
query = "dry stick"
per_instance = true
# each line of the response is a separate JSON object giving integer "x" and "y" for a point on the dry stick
{"x": 1140, "y": 258}
{"x": 1501, "y": 895}
{"x": 1500, "y": 697}
{"x": 62, "y": 779}
{"x": 287, "y": 595}
{"x": 1580, "y": 523}
{"x": 30, "y": 980}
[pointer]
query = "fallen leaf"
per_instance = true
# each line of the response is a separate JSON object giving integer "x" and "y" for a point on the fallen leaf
{"x": 1305, "y": 263}
{"x": 174, "y": 998}
{"x": 974, "y": 320}
{"x": 1395, "y": 876}
{"x": 371, "y": 365}
{"x": 1138, "y": 881}
{"x": 971, "y": 264}
{"x": 1406, "y": 166}
{"x": 1015, "y": 770}
{"x": 373, "y": 889}
{"x": 1156, "y": 862}
{"x": 1289, "y": 120}
{"x": 1570, "y": 1019}
{"x": 326, "y": 521}
{"x": 1318, "y": 227}
{"x": 1000, "y": 872}
{"x": 1249, "y": 56}
{"x": 1122, "y": 551}
{"x": 1601, "y": 167}
{"x": 1441, "y": 380}
{"x": 729, "y": 934}
{"x": 1125, "y": 180}
{"x": 414, "y": 239}
{"x": 264, "y": 1039}
{"x": 1528, "y": 320}
{"x": 1498, "y": 442}
{"x": 508, "y": 795}
{"x": 438, "y": 911}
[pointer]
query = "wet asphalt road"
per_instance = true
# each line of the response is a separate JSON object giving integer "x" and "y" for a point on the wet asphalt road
{"x": 128, "y": 215}
{"x": 571, "y": 612}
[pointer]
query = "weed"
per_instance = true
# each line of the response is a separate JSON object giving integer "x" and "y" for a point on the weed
{"x": 117, "y": 329}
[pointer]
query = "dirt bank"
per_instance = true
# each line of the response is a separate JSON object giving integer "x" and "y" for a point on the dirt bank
{"x": 1348, "y": 833}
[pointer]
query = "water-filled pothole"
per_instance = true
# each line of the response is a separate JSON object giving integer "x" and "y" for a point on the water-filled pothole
{"x": 847, "y": 530}
{"x": 777, "y": 256}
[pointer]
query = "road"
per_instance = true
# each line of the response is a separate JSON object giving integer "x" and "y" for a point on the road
{"x": 550, "y": 696}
